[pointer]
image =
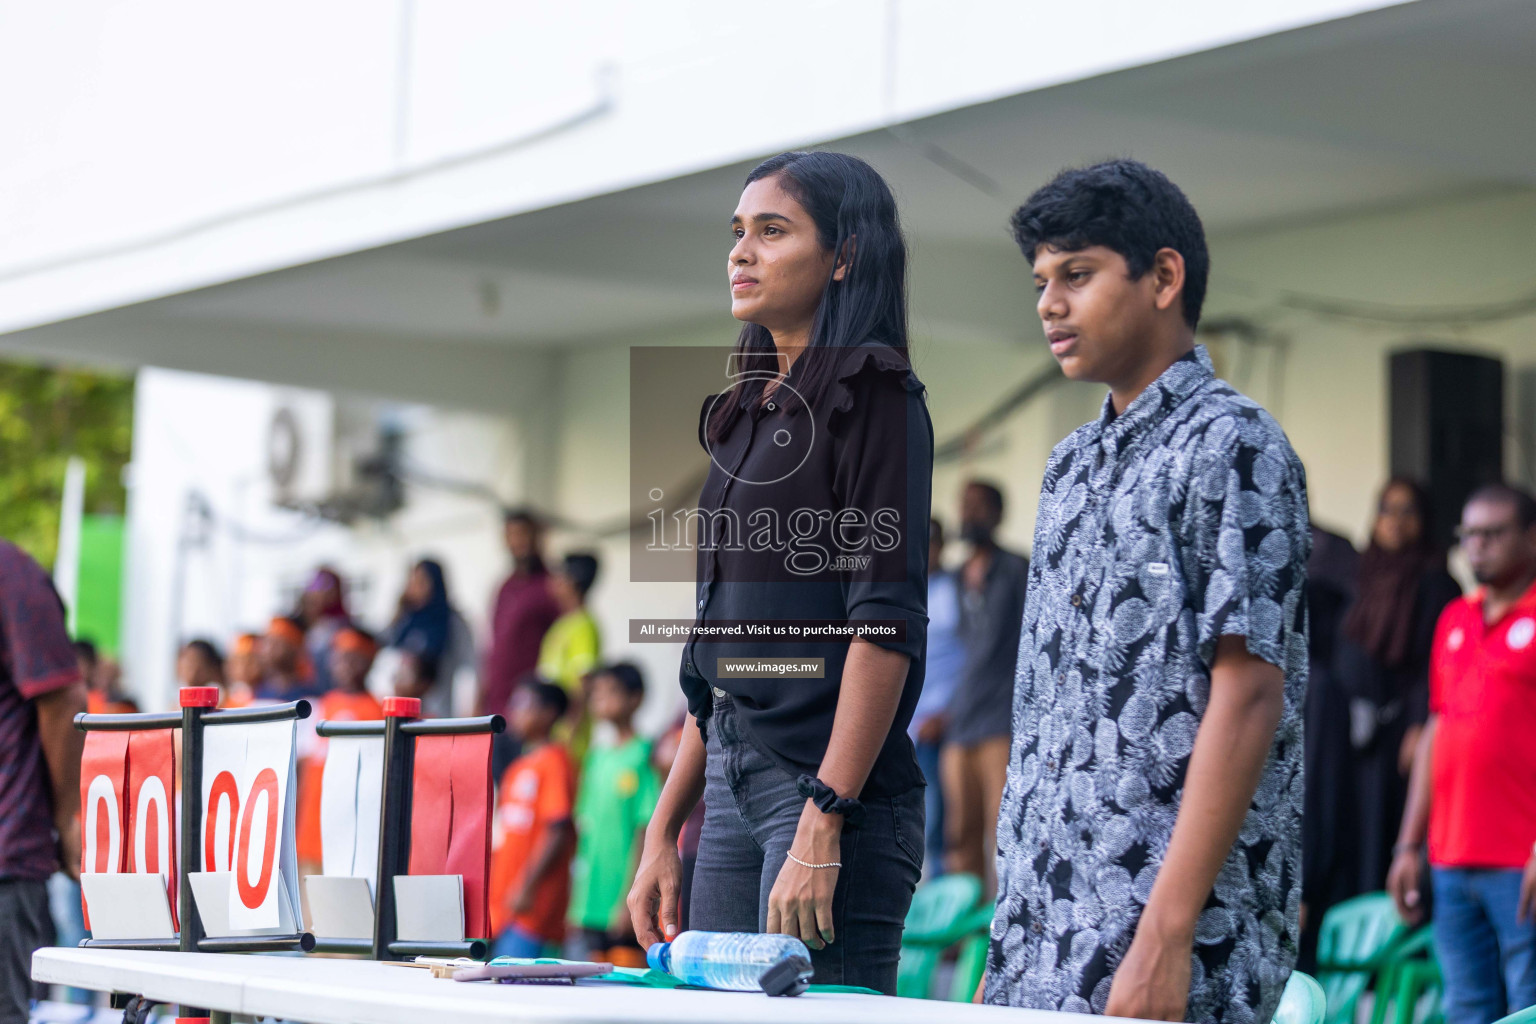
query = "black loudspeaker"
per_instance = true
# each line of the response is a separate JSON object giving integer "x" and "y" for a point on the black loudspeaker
{"x": 1447, "y": 412}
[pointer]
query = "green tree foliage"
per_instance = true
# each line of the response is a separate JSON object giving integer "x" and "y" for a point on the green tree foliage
{"x": 48, "y": 414}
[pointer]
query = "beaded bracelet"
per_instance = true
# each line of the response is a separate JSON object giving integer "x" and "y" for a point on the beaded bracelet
{"x": 804, "y": 864}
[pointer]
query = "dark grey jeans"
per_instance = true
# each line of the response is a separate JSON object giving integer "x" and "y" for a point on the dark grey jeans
{"x": 26, "y": 926}
{"x": 751, "y": 811}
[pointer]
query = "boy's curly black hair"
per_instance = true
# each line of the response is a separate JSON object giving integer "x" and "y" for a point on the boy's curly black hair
{"x": 1123, "y": 205}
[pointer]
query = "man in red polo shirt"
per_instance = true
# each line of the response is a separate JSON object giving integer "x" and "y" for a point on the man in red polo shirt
{"x": 1474, "y": 778}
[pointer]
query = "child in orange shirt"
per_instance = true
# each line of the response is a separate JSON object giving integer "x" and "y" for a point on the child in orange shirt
{"x": 352, "y": 654}
{"x": 534, "y": 837}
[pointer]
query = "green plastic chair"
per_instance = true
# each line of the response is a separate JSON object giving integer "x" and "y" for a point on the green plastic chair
{"x": 1302, "y": 1002}
{"x": 1408, "y": 983}
{"x": 940, "y": 911}
{"x": 971, "y": 963}
{"x": 1355, "y": 940}
{"x": 1415, "y": 993}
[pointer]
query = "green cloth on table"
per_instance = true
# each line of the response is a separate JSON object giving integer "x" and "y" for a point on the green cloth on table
{"x": 650, "y": 978}
{"x": 647, "y": 977}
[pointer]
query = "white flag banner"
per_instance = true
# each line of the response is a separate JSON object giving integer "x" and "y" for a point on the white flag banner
{"x": 223, "y": 767}
{"x": 338, "y": 806}
{"x": 370, "y": 802}
{"x": 249, "y": 782}
{"x": 351, "y": 793}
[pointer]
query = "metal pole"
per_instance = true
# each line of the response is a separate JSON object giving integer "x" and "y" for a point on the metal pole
{"x": 195, "y": 701}
{"x": 394, "y": 819}
{"x": 456, "y": 726}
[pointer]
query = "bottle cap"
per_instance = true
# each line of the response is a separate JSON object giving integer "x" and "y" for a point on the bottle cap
{"x": 656, "y": 956}
{"x": 402, "y": 707}
{"x": 789, "y": 977}
{"x": 199, "y": 696}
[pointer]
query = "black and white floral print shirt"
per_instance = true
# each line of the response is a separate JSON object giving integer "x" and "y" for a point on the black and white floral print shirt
{"x": 1160, "y": 530}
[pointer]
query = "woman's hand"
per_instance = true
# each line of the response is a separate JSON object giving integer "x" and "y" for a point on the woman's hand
{"x": 653, "y": 898}
{"x": 801, "y": 901}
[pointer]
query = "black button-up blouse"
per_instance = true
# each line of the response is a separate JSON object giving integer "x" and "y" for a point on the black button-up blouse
{"x": 815, "y": 517}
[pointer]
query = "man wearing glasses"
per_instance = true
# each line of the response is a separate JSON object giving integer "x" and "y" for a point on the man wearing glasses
{"x": 1473, "y": 788}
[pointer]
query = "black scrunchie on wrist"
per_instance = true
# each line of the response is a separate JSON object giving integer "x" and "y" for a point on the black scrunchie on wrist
{"x": 828, "y": 802}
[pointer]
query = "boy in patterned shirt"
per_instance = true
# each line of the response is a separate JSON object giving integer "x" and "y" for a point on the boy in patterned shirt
{"x": 1149, "y": 840}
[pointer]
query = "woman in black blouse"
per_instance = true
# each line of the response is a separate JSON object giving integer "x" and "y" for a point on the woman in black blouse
{"x": 815, "y": 525}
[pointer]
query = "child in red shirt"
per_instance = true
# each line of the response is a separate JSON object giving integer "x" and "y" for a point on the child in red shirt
{"x": 533, "y": 837}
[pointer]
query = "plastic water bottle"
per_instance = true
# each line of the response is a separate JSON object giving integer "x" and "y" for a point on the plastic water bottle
{"x": 738, "y": 961}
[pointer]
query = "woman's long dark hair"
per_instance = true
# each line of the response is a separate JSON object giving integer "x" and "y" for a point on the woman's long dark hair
{"x": 423, "y": 629}
{"x": 855, "y": 216}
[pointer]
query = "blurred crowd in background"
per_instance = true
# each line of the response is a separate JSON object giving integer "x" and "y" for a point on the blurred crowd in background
{"x": 576, "y": 782}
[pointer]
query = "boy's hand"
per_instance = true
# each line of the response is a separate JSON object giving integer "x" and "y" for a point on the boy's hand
{"x": 522, "y": 903}
{"x": 652, "y": 902}
{"x": 1152, "y": 982}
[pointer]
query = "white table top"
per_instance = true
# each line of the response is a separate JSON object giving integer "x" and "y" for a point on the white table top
{"x": 326, "y": 991}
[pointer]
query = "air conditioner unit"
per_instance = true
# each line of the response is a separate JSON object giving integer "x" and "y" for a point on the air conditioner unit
{"x": 301, "y": 448}
{"x": 335, "y": 458}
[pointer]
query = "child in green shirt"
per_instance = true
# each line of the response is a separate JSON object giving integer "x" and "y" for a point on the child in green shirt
{"x": 614, "y": 801}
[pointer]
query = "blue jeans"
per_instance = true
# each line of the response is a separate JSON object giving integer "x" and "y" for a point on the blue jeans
{"x": 933, "y": 847}
{"x": 751, "y": 811}
{"x": 1487, "y": 958}
{"x": 27, "y": 926}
